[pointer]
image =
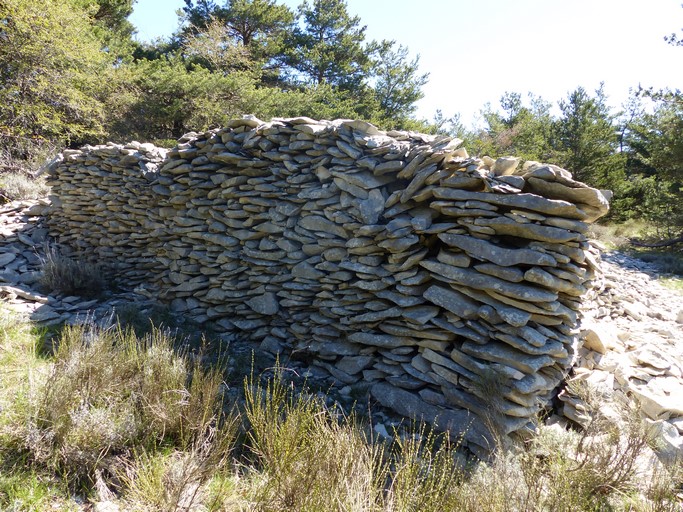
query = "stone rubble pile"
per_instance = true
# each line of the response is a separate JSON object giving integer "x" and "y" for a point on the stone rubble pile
{"x": 22, "y": 236}
{"x": 23, "y": 242}
{"x": 22, "y": 230}
{"x": 451, "y": 283}
{"x": 633, "y": 351}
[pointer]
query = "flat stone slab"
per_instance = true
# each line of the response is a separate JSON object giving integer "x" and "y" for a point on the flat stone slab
{"x": 585, "y": 195}
{"x": 531, "y": 202}
{"x": 473, "y": 279}
{"x": 380, "y": 340}
{"x": 452, "y": 300}
{"x": 505, "y": 354}
{"x": 410, "y": 405}
{"x": 487, "y": 251}
{"x": 266, "y": 304}
{"x": 7, "y": 258}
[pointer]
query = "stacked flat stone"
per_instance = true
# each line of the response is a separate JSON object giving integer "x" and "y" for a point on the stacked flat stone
{"x": 452, "y": 283}
{"x": 105, "y": 204}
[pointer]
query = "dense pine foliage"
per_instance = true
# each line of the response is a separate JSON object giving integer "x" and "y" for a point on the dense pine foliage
{"x": 72, "y": 73}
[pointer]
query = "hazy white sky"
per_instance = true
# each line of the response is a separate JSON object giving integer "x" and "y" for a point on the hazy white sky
{"x": 475, "y": 50}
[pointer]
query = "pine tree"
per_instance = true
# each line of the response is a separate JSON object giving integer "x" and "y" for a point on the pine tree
{"x": 587, "y": 138}
{"x": 398, "y": 84}
{"x": 257, "y": 25}
{"x": 653, "y": 144}
{"x": 517, "y": 129}
{"x": 329, "y": 48}
{"x": 109, "y": 20}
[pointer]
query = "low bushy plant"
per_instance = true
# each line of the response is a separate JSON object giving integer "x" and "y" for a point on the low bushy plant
{"x": 425, "y": 474}
{"x": 179, "y": 479}
{"x": 308, "y": 458}
{"x": 666, "y": 261}
{"x": 108, "y": 393}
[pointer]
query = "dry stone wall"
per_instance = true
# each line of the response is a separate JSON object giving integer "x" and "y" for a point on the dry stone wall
{"x": 451, "y": 283}
{"x": 105, "y": 204}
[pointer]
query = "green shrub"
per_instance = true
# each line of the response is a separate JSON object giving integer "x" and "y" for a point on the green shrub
{"x": 25, "y": 489}
{"x": 178, "y": 479}
{"x": 617, "y": 235}
{"x": 109, "y": 392}
{"x": 667, "y": 261}
{"x": 424, "y": 474}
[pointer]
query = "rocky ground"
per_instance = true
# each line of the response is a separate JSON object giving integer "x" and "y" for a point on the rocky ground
{"x": 633, "y": 329}
{"x": 23, "y": 242}
{"x": 633, "y": 349}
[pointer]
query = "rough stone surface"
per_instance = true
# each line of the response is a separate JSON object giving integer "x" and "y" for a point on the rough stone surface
{"x": 362, "y": 248}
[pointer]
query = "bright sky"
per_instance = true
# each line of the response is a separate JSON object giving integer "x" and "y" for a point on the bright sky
{"x": 475, "y": 50}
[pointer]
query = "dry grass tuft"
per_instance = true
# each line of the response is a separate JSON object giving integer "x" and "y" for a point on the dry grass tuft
{"x": 307, "y": 457}
{"x": 70, "y": 276}
{"x": 18, "y": 185}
